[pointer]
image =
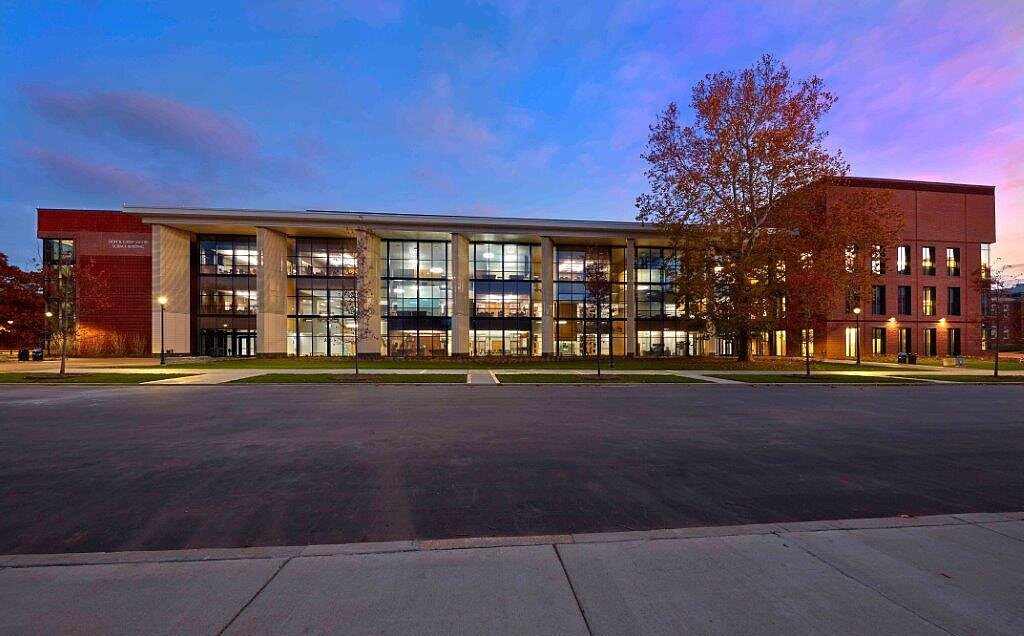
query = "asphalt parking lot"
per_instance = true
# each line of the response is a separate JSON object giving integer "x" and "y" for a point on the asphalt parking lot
{"x": 121, "y": 468}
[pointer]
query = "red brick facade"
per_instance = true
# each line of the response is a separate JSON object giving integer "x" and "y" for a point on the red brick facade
{"x": 938, "y": 215}
{"x": 112, "y": 264}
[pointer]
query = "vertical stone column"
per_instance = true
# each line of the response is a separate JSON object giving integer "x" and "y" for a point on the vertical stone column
{"x": 368, "y": 335}
{"x": 271, "y": 293}
{"x": 630, "y": 296}
{"x": 547, "y": 296}
{"x": 460, "y": 295}
{"x": 171, "y": 277}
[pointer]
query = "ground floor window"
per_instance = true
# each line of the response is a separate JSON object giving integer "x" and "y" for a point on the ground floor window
{"x": 321, "y": 336}
{"x": 498, "y": 342}
{"x": 851, "y": 342}
{"x": 953, "y": 341}
{"x": 878, "y": 341}
{"x": 806, "y": 342}
{"x": 724, "y": 347}
{"x": 227, "y": 342}
{"x": 669, "y": 343}
{"x": 578, "y": 337}
{"x": 905, "y": 341}
{"x": 929, "y": 342}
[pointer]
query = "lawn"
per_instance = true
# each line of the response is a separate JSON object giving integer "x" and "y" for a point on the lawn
{"x": 629, "y": 364}
{"x": 351, "y": 378}
{"x": 590, "y": 378}
{"x": 818, "y": 378}
{"x": 970, "y": 363}
{"x": 85, "y": 378}
{"x": 1019, "y": 379}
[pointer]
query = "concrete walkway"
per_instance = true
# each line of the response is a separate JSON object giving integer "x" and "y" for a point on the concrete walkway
{"x": 949, "y": 574}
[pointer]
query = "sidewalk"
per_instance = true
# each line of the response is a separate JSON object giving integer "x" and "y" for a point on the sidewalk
{"x": 926, "y": 575}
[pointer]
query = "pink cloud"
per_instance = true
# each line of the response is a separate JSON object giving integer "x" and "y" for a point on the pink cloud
{"x": 74, "y": 172}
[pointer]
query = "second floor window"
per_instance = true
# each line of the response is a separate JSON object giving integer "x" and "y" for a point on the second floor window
{"x": 928, "y": 301}
{"x": 952, "y": 261}
{"x": 954, "y": 301}
{"x": 903, "y": 300}
{"x": 878, "y": 300}
{"x": 928, "y": 260}
{"x": 903, "y": 260}
{"x": 877, "y": 260}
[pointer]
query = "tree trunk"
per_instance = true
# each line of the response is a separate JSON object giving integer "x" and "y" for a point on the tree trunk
{"x": 743, "y": 344}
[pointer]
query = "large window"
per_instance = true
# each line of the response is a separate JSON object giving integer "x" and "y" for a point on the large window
{"x": 905, "y": 342}
{"x": 928, "y": 260}
{"x": 59, "y": 293}
{"x": 664, "y": 327}
{"x": 953, "y": 341}
{"x": 953, "y": 301}
{"x": 322, "y": 296}
{"x": 577, "y": 322}
{"x": 930, "y": 346}
{"x": 878, "y": 341}
{"x": 903, "y": 260}
{"x": 928, "y": 301}
{"x": 226, "y": 293}
{"x": 877, "y": 260}
{"x": 903, "y": 302}
{"x": 952, "y": 261}
{"x": 878, "y": 300}
{"x": 505, "y": 299}
{"x": 415, "y": 298}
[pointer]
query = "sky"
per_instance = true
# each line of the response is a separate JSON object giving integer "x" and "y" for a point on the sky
{"x": 487, "y": 108}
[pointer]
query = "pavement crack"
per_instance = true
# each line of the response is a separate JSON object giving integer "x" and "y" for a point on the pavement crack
{"x": 792, "y": 541}
{"x": 254, "y": 596}
{"x": 572, "y": 589}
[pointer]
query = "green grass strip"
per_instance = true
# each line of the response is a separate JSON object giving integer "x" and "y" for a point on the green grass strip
{"x": 605, "y": 378}
{"x": 1012, "y": 379}
{"x": 818, "y": 378}
{"x": 85, "y": 378}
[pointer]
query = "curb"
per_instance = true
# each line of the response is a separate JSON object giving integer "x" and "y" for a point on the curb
{"x": 469, "y": 543}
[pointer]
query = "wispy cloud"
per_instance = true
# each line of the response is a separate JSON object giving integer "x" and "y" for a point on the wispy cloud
{"x": 148, "y": 119}
{"x": 434, "y": 121}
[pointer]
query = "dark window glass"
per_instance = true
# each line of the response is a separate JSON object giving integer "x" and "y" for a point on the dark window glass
{"x": 953, "y": 338}
{"x": 878, "y": 300}
{"x": 903, "y": 300}
{"x": 929, "y": 341}
{"x": 953, "y": 294}
{"x": 227, "y": 298}
{"x": 906, "y": 341}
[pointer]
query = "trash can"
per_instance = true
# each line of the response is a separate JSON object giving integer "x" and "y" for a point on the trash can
{"x": 961, "y": 361}
{"x": 901, "y": 358}
{"x": 22, "y": 355}
{"x": 37, "y": 355}
{"x": 912, "y": 358}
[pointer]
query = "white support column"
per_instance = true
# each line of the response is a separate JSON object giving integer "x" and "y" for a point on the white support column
{"x": 368, "y": 341}
{"x": 630, "y": 296}
{"x": 460, "y": 295}
{"x": 547, "y": 296}
{"x": 171, "y": 278}
{"x": 272, "y": 293}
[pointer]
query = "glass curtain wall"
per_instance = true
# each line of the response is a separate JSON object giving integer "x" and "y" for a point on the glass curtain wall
{"x": 505, "y": 299}
{"x": 415, "y": 297}
{"x": 59, "y": 294}
{"x": 576, "y": 319}
{"x": 226, "y": 292}
{"x": 322, "y": 296}
{"x": 663, "y": 328}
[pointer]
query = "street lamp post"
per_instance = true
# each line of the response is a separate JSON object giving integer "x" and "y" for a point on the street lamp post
{"x": 10, "y": 336}
{"x": 46, "y": 332}
{"x": 163, "y": 305}
{"x": 856, "y": 312}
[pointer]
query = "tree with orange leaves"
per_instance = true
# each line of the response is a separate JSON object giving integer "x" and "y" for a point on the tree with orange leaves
{"x": 723, "y": 187}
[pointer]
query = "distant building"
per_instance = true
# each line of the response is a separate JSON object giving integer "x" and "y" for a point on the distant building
{"x": 279, "y": 282}
{"x": 1009, "y": 305}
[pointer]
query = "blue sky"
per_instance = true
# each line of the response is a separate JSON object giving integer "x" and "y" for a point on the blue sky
{"x": 478, "y": 108}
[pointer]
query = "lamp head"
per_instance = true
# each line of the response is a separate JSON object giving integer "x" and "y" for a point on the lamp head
{"x": 856, "y": 310}
{"x": 49, "y": 314}
{"x": 162, "y": 300}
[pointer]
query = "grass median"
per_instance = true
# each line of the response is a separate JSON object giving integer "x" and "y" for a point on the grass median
{"x": 604, "y": 378}
{"x": 977, "y": 379}
{"x": 814, "y": 378}
{"x": 351, "y": 378}
{"x": 85, "y": 378}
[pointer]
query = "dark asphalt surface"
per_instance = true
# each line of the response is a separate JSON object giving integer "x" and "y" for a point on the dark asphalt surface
{"x": 89, "y": 469}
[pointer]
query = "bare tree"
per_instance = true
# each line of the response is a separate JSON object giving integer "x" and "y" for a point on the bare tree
{"x": 596, "y": 281}
{"x": 364, "y": 309}
{"x": 993, "y": 283}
